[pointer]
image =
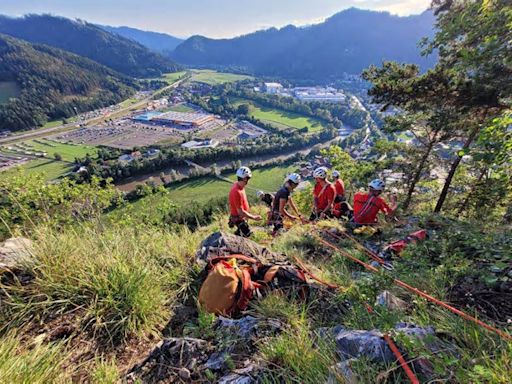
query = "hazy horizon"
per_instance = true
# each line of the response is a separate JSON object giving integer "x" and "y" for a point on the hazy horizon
{"x": 211, "y": 18}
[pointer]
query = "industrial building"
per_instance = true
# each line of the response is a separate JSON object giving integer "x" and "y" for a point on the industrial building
{"x": 273, "y": 88}
{"x": 176, "y": 119}
{"x": 183, "y": 119}
{"x": 319, "y": 94}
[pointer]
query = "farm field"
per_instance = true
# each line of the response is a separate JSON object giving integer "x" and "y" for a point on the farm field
{"x": 50, "y": 169}
{"x": 8, "y": 89}
{"x": 173, "y": 77}
{"x": 279, "y": 118}
{"x": 204, "y": 189}
{"x": 180, "y": 108}
{"x": 67, "y": 151}
{"x": 214, "y": 77}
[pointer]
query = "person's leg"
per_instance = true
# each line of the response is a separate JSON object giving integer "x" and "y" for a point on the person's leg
{"x": 244, "y": 229}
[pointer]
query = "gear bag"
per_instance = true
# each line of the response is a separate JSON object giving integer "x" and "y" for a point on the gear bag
{"x": 228, "y": 288}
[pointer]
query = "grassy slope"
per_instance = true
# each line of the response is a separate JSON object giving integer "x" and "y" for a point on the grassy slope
{"x": 279, "y": 118}
{"x": 202, "y": 190}
{"x": 214, "y": 77}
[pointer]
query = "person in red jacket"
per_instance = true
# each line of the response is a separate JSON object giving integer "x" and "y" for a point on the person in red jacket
{"x": 340, "y": 207}
{"x": 238, "y": 204}
{"x": 368, "y": 205}
{"x": 323, "y": 195}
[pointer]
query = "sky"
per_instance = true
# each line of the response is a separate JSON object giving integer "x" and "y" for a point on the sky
{"x": 212, "y": 18}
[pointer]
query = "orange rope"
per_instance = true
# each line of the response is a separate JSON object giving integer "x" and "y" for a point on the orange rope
{"x": 370, "y": 253}
{"x": 310, "y": 274}
{"x": 410, "y": 374}
{"x": 418, "y": 292}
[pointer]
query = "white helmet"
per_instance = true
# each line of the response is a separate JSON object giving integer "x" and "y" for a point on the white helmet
{"x": 259, "y": 194}
{"x": 243, "y": 172}
{"x": 320, "y": 172}
{"x": 293, "y": 177}
{"x": 377, "y": 184}
{"x": 335, "y": 174}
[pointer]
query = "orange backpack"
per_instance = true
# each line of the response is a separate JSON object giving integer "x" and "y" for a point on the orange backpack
{"x": 228, "y": 288}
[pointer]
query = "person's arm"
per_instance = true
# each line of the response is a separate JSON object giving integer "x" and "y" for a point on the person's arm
{"x": 388, "y": 211}
{"x": 294, "y": 207}
{"x": 283, "y": 211}
{"x": 248, "y": 215}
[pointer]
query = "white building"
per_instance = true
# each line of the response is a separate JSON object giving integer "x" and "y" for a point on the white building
{"x": 194, "y": 144}
{"x": 273, "y": 88}
{"x": 328, "y": 94}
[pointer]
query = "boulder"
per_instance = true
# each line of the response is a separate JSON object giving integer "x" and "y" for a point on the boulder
{"x": 15, "y": 253}
{"x": 224, "y": 244}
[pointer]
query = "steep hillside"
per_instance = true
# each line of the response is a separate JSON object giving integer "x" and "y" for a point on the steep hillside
{"x": 158, "y": 42}
{"x": 346, "y": 42}
{"x": 53, "y": 83}
{"x": 84, "y": 39}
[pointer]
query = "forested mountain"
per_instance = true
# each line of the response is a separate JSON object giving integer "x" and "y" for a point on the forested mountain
{"x": 84, "y": 39}
{"x": 346, "y": 42}
{"x": 53, "y": 83}
{"x": 158, "y": 42}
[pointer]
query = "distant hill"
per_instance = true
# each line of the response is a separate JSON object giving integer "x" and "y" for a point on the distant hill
{"x": 53, "y": 83}
{"x": 84, "y": 39}
{"x": 346, "y": 42}
{"x": 158, "y": 42}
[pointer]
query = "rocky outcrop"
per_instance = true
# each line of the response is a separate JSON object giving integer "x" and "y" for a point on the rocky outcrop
{"x": 224, "y": 244}
{"x": 15, "y": 253}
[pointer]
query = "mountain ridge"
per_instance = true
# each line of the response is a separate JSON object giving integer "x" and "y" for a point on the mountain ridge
{"x": 82, "y": 38}
{"x": 54, "y": 84}
{"x": 343, "y": 43}
{"x": 156, "y": 41}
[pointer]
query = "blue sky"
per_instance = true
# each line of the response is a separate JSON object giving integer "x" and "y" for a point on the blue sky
{"x": 212, "y": 18}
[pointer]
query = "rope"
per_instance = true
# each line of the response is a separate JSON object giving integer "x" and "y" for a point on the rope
{"x": 418, "y": 292}
{"x": 370, "y": 253}
{"x": 410, "y": 374}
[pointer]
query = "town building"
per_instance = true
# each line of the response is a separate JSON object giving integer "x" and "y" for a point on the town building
{"x": 273, "y": 88}
{"x": 195, "y": 144}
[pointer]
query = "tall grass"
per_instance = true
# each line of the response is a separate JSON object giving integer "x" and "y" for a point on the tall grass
{"x": 40, "y": 364}
{"x": 121, "y": 280}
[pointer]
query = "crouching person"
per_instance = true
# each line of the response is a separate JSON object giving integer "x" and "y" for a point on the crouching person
{"x": 238, "y": 204}
{"x": 323, "y": 195}
{"x": 368, "y": 205}
{"x": 282, "y": 199}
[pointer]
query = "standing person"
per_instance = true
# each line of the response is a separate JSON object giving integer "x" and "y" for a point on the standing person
{"x": 238, "y": 204}
{"x": 368, "y": 205}
{"x": 323, "y": 195}
{"x": 265, "y": 197}
{"x": 268, "y": 199}
{"x": 281, "y": 200}
{"x": 340, "y": 207}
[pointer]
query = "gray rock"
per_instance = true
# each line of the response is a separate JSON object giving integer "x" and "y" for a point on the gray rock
{"x": 357, "y": 343}
{"x": 217, "y": 360}
{"x": 390, "y": 301}
{"x": 234, "y": 378}
{"x": 184, "y": 373}
{"x": 244, "y": 326}
{"x": 342, "y": 370}
{"x": 15, "y": 253}
{"x": 223, "y": 244}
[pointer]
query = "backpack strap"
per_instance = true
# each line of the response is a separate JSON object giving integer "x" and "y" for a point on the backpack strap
{"x": 248, "y": 259}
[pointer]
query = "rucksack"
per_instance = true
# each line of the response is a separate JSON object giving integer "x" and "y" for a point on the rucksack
{"x": 228, "y": 288}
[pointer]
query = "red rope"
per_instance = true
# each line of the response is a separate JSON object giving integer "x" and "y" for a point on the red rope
{"x": 410, "y": 374}
{"x": 310, "y": 274}
{"x": 369, "y": 252}
{"x": 418, "y": 292}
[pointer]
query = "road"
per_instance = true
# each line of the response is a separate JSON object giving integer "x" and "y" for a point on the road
{"x": 67, "y": 127}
